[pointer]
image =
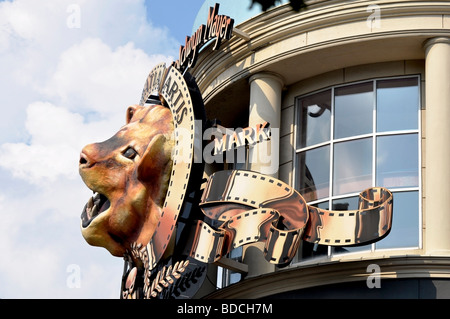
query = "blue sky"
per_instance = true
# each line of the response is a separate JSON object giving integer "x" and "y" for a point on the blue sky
{"x": 178, "y": 16}
{"x": 69, "y": 70}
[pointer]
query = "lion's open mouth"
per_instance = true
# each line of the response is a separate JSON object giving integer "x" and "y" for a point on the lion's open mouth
{"x": 96, "y": 205}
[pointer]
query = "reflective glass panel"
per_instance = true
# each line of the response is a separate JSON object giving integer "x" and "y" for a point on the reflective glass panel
{"x": 314, "y": 173}
{"x": 397, "y": 104}
{"x": 352, "y": 167}
{"x": 353, "y": 110}
{"x": 235, "y": 254}
{"x": 397, "y": 161}
{"x": 405, "y": 222}
{"x": 314, "y": 114}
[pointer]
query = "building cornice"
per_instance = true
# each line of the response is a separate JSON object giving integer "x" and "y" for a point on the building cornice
{"x": 302, "y": 277}
{"x": 281, "y": 34}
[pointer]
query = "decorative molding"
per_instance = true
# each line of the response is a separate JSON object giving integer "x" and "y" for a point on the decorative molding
{"x": 302, "y": 277}
{"x": 240, "y": 58}
{"x": 241, "y": 34}
{"x": 270, "y": 75}
{"x": 432, "y": 41}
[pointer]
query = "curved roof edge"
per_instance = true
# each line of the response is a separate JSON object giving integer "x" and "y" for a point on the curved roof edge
{"x": 239, "y": 10}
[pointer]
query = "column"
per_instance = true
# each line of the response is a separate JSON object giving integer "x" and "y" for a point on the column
{"x": 265, "y": 106}
{"x": 437, "y": 170}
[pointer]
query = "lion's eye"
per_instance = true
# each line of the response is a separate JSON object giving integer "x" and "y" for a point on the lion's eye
{"x": 130, "y": 153}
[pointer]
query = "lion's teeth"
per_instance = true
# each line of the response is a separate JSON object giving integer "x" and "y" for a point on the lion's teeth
{"x": 96, "y": 196}
{"x": 94, "y": 211}
{"x": 90, "y": 203}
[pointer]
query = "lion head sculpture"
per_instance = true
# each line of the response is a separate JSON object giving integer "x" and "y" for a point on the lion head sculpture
{"x": 129, "y": 175}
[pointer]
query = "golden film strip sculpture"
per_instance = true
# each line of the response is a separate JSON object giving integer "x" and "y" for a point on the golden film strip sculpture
{"x": 254, "y": 207}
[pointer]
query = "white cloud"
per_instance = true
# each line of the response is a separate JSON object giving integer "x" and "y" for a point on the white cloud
{"x": 90, "y": 76}
{"x": 56, "y": 139}
{"x": 62, "y": 88}
{"x": 51, "y": 154}
{"x": 40, "y": 238}
{"x": 37, "y": 46}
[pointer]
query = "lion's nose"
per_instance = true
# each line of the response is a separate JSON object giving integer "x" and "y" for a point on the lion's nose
{"x": 83, "y": 160}
{"x": 86, "y": 159}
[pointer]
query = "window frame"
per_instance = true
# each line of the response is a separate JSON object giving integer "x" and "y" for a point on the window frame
{"x": 374, "y": 136}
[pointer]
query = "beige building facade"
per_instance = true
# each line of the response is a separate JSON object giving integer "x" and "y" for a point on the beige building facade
{"x": 360, "y": 94}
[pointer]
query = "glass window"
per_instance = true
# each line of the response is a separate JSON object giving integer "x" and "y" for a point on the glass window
{"x": 397, "y": 104}
{"x": 314, "y": 114}
{"x": 397, "y": 161}
{"x": 352, "y": 166}
{"x": 405, "y": 222}
{"x": 353, "y": 109}
{"x": 228, "y": 276}
{"x": 355, "y": 136}
{"x": 314, "y": 173}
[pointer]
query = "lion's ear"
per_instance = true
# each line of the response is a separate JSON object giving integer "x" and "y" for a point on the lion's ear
{"x": 130, "y": 112}
{"x": 154, "y": 160}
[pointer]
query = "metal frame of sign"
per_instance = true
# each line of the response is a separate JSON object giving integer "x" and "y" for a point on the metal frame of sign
{"x": 170, "y": 86}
